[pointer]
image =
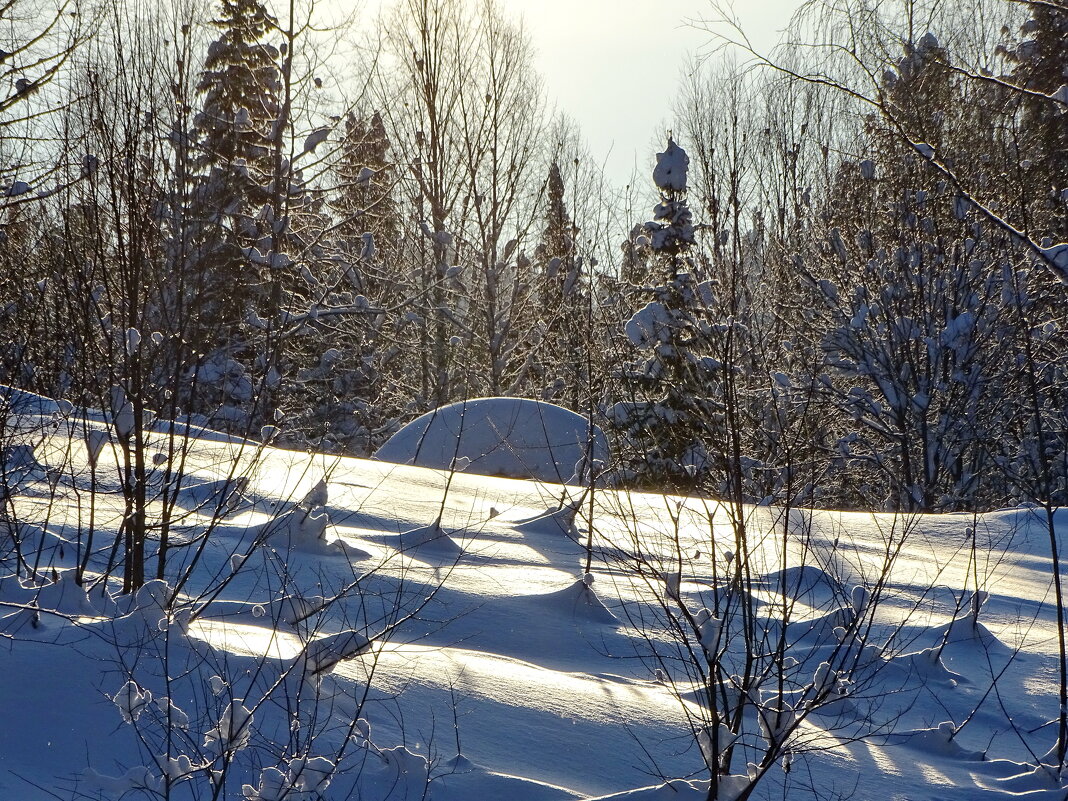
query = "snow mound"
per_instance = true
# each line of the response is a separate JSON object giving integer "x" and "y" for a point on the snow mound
{"x": 432, "y": 537}
{"x": 463, "y": 779}
{"x": 322, "y": 654}
{"x": 580, "y": 601}
{"x": 65, "y": 595}
{"x": 801, "y": 580}
{"x": 218, "y": 495}
{"x": 510, "y": 437}
{"x": 926, "y": 666}
{"x": 552, "y": 521}
{"x": 294, "y": 530}
{"x": 966, "y": 631}
{"x": 294, "y": 611}
{"x": 25, "y": 411}
{"x": 23, "y": 622}
{"x": 822, "y": 629}
{"x": 405, "y": 773}
{"x": 17, "y": 464}
{"x": 936, "y": 741}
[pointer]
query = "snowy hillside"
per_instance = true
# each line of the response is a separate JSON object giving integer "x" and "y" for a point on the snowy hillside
{"x": 340, "y": 628}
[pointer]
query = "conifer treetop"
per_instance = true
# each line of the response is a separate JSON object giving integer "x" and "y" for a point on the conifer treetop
{"x": 669, "y": 174}
{"x": 671, "y": 230}
{"x": 240, "y": 84}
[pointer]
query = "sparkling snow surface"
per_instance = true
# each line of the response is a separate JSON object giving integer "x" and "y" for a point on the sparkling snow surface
{"x": 515, "y": 676}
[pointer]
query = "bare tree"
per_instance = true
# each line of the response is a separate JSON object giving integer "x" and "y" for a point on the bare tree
{"x": 947, "y": 100}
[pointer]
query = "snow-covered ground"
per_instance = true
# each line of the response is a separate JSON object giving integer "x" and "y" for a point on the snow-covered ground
{"x": 342, "y": 628}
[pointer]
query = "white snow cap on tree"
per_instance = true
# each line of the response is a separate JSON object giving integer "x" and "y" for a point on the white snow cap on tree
{"x": 671, "y": 229}
{"x": 132, "y": 701}
{"x": 669, "y": 174}
{"x": 233, "y": 731}
{"x": 122, "y": 411}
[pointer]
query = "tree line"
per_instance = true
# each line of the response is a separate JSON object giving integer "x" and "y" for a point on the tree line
{"x": 843, "y": 287}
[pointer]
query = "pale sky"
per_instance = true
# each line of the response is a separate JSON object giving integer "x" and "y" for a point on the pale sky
{"x": 614, "y": 66}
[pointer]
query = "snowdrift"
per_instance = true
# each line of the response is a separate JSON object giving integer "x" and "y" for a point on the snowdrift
{"x": 509, "y": 437}
{"x": 346, "y": 628}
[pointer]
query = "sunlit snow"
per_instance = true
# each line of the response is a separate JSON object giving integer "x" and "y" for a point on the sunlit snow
{"x": 497, "y": 669}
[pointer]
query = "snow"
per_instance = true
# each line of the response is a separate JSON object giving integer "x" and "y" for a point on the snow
{"x": 22, "y": 409}
{"x": 305, "y": 780}
{"x": 924, "y": 149}
{"x": 323, "y": 653}
{"x": 133, "y": 340}
{"x": 1057, "y": 256}
{"x": 122, "y": 412}
{"x": 315, "y": 138}
{"x": 17, "y": 188}
{"x": 669, "y": 174}
{"x": 131, "y": 701}
{"x": 512, "y": 437}
{"x": 649, "y": 326}
{"x": 233, "y": 731}
{"x": 501, "y": 668}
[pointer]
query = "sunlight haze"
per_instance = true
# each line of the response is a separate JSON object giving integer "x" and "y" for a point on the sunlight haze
{"x": 614, "y": 65}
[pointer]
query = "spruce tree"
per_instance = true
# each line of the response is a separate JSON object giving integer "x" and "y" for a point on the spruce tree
{"x": 914, "y": 314}
{"x": 562, "y": 300}
{"x": 670, "y": 411}
{"x": 368, "y": 221}
{"x": 1039, "y": 69}
{"x": 239, "y": 87}
{"x": 343, "y": 368}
